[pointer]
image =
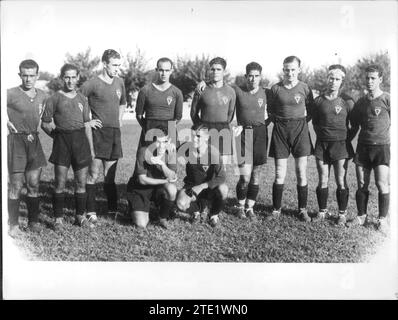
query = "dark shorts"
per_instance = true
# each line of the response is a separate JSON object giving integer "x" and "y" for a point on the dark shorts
{"x": 331, "y": 151}
{"x": 107, "y": 143}
{"x": 140, "y": 197}
{"x": 24, "y": 155}
{"x": 224, "y": 143}
{"x": 71, "y": 148}
{"x": 151, "y": 124}
{"x": 256, "y": 151}
{"x": 371, "y": 156}
{"x": 290, "y": 136}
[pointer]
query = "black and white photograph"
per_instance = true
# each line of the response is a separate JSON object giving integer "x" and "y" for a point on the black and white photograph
{"x": 199, "y": 150}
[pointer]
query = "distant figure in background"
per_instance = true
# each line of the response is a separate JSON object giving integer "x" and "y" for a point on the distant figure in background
{"x": 72, "y": 143}
{"x": 107, "y": 100}
{"x": 372, "y": 114}
{"x": 330, "y": 118}
{"x": 25, "y": 154}
{"x": 289, "y": 106}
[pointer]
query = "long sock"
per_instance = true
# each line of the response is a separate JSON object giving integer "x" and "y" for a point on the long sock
{"x": 277, "y": 191}
{"x": 217, "y": 203}
{"x": 241, "y": 190}
{"x": 384, "y": 204}
{"x": 252, "y": 191}
{"x": 90, "y": 202}
{"x": 33, "y": 208}
{"x": 80, "y": 202}
{"x": 111, "y": 195}
{"x": 166, "y": 207}
{"x": 302, "y": 192}
{"x": 58, "y": 204}
{"x": 322, "y": 197}
{"x": 13, "y": 211}
{"x": 361, "y": 197}
{"x": 342, "y": 198}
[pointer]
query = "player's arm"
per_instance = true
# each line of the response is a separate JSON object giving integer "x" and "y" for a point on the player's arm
{"x": 270, "y": 105}
{"x": 122, "y": 104}
{"x": 309, "y": 104}
{"x": 47, "y": 118}
{"x": 179, "y": 106}
{"x": 231, "y": 107}
{"x": 10, "y": 125}
{"x": 87, "y": 127}
{"x": 195, "y": 108}
{"x": 354, "y": 117}
{"x": 139, "y": 108}
{"x": 144, "y": 180}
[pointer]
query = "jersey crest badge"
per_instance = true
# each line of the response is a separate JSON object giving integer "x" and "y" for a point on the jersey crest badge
{"x": 297, "y": 97}
{"x": 377, "y": 111}
{"x": 169, "y": 99}
{"x": 205, "y": 168}
{"x": 119, "y": 93}
{"x": 80, "y": 106}
{"x": 225, "y": 100}
{"x": 338, "y": 109}
{"x": 260, "y": 102}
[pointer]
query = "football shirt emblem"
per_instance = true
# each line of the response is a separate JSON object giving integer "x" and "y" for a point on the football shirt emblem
{"x": 338, "y": 109}
{"x": 80, "y": 106}
{"x": 297, "y": 98}
{"x": 260, "y": 102}
{"x": 169, "y": 99}
{"x": 205, "y": 168}
{"x": 119, "y": 93}
{"x": 377, "y": 111}
{"x": 225, "y": 99}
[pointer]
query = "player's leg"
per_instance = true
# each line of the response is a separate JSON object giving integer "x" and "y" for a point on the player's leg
{"x": 140, "y": 218}
{"x": 277, "y": 187}
{"x": 166, "y": 203}
{"x": 382, "y": 174}
{"x": 60, "y": 176}
{"x": 81, "y": 196}
{"x": 91, "y": 188}
{"x": 362, "y": 193}
{"x": 139, "y": 200}
{"x": 110, "y": 185}
{"x": 252, "y": 190}
{"x": 322, "y": 190}
{"x": 218, "y": 198}
{"x": 32, "y": 178}
{"x": 242, "y": 187}
{"x": 16, "y": 184}
{"x": 342, "y": 191}
{"x": 302, "y": 187}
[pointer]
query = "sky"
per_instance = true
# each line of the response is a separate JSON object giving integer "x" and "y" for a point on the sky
{"x": 318, "y": 32}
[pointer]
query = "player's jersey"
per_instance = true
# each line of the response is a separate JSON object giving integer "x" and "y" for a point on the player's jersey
{"x": 24, "y": 112}
{"x": 251, "y": 109}
{"x": 160, "y": 105}
{"x": 105, "y": 99}
{"x": 215, "y": 105}
{"x": 373, "y": 116}
{"x": 68, "y": 113}
{"x": 151, "y": 170}
{"x": 330, "y": 118}
{"x": 294, "y": 103}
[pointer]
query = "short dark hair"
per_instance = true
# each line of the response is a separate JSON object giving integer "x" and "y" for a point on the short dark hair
{"x": 291, "y": 59}
{"x": 164, "y": 59}
{"x": 337, "y": 66}
{"x": 67, "y": 67}
{"x": 218, "y": 60}
{"x": 199, "y": 126}
{"x": 108, "y": 54}
{"x": 374, "y": 68}
{"x": 253, "y": 66}
{"x": 28, "y": 64}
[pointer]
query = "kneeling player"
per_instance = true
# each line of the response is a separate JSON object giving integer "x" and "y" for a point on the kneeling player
{"x": 372, "y": 114}
{"x": 153, "y": 180}
{"x": 205, "y": 186}
{"x": 72, "y": 143}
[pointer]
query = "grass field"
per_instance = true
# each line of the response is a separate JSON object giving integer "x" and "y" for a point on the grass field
{"x": 234, "y": 240}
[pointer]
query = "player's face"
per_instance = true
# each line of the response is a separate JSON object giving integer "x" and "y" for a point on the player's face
{"x": 112, "y": 68}
{"x": 200, "y": 138}
{"x": 373, "y": 81}
{"x": 253, "y": 79}
{"x": 291, "y": 71}
{"x": 162, "y": 144}
{"x": 335, "y": 80}
{"x": 164, "y": 70}
{"x": 70, "y": 78}
{"x": 216, "y": 72}
{"x": 28, "y": 77}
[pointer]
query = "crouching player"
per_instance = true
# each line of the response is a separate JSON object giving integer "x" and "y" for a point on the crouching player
{"x": 372, "y": 114}
{"x": 205, "y": 189}
{"x": 72, "y": 143}
{"x": 153, "y": 180}
{"x": 25, "y": 153}
{"x": 330, "y": 116}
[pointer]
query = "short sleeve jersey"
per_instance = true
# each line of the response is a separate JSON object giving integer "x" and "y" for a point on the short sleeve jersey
{"x": 215, "y": 105}
{"x": 373, "y": 116}
{"x": 330, "y": 118}
{"x": 24, "y": 112}
{"x": 160, "y": 105}
{"x": 68, "y": 113}
{"x": 251, "y": 109}
{"x": 293, "y": 103}
{"x": 105, "y": 99}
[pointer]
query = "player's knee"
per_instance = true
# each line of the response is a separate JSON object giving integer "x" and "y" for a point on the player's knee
{"x": 171, "y": 191}
{"x": 15, "y": 189}
{"x": 244, "y": 179}
{"x": 223, "y": 188}
{"x": 33, "y": 189}
{"x": 140, "y": 219}
{"x": 382, "y": 186}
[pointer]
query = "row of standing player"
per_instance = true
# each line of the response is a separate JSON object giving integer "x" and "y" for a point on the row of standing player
{"x": 160, "y": 102}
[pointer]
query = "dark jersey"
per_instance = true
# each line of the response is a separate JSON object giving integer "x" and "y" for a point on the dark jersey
{"x": 373, "y": 116}
{"x": 159, "y": 105}
{"x": 214, "y": 105}
{"x": 331, "y": 117}
{"x": 251, "y": 109}
{"x": 24, "y": 112}
{"x": 294, "y": 103}
{"x": 105, "y": 99}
